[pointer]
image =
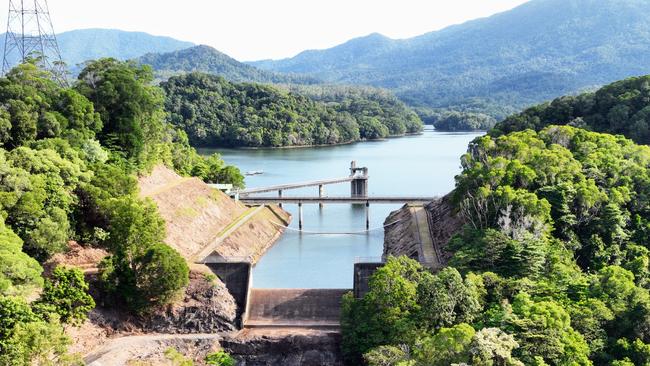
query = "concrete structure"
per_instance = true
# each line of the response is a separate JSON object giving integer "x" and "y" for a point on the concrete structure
{"x": 289, "y": 186}
{"x": 358, "y": 179}
{"x": 225, "y": 188}
{"x": 300, "y": 201}
{"x": 362, "y": 273}
{"x": 388, "y": 200}
{"x": 287, "y": 308}
{"x": 294, "y": 308}
{"x": 237, "y": 276}
{"x": 359, "y": 184}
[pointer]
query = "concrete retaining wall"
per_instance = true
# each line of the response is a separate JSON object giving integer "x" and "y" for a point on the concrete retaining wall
{"x": 362, "y": 274}
{"x": 237, "y": 277}
{"x": 312, "y": 308}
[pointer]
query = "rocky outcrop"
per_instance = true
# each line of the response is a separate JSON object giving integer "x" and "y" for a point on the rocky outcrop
{"x": 402, "y": 236}
{"x": 285, "y": 347}
{"x": 206, "y": 307}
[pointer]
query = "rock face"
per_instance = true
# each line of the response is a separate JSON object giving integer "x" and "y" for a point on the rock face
{"x": 401, "y": 234}
{"x": 285, "y": 347}
{"x": 207, "y": 307}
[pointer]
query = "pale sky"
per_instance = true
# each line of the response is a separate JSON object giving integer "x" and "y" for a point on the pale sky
{"x": 260, "y": 29}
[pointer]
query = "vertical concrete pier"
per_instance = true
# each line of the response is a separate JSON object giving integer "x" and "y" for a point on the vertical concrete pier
{"x": 367, "y": 215}
{"x": 359, "y": 183}
{"x": 300, "y": 215}
{"x": 321, "y": 194}
{"x": 280, "y": 196}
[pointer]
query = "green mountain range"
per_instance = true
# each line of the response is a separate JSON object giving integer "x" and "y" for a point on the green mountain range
{"x": 497, "y": 65}
{"x": 209, "y": 60}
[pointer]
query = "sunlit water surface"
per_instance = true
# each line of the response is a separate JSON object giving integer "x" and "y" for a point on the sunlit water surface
{"x": 423, "y": 165}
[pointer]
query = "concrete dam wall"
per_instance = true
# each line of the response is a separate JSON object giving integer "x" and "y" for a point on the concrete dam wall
{"x": 313, "y": 308}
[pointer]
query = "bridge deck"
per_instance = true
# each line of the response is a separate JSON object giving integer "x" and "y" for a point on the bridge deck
{"x": 360, "y": 200}
{"x": 288, "y": 186}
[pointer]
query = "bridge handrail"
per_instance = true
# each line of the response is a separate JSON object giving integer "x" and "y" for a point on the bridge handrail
{"x": 297, "y": 185}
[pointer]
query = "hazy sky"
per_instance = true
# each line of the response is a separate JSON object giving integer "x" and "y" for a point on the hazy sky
{"x": 258, "y": 29}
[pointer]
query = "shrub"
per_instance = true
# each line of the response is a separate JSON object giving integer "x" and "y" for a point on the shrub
{"x": 220, "y": 358}
{"x": 66, "y": 293}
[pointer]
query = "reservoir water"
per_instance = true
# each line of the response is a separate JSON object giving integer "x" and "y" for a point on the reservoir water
{"x": 423, "y": 165}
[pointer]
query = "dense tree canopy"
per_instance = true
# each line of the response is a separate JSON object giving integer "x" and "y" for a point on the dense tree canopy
{"x": 551, "y": 268}
{"x": 215, "y": 112}
{"x": 68, "y": 164}
{"x": 618, "y": 108}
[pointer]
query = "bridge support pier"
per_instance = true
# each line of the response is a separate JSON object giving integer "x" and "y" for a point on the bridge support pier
{"x": 367, "y": 215}
{"x": 321, "y": 194}
{"x": 300, "y": 216}
{"x": 280, "y": 196}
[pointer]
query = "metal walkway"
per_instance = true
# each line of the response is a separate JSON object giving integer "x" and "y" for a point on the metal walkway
{"x": 283, "y": 187}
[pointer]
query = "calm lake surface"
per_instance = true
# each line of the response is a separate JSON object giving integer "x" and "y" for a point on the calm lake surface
{"x": 423, "y": 165}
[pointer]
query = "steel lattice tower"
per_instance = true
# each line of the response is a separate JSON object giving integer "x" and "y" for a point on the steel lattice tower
{"x": 30, "y": 34}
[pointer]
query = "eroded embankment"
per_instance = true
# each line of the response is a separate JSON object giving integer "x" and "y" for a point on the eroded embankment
{"x": 423, "y": 232}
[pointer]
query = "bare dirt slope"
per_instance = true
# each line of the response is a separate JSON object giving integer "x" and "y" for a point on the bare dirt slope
{"x": 197, "y": 216}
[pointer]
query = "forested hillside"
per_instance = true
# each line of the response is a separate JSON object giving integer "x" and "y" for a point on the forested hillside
{"x": 68, "y": 164}
{"x": 619, "y": 108}
{"x": 208, "y": 60}
{"x": 551, "y": 268}
{"x": 497, "y": 65}
{"x": 216, "y": 112}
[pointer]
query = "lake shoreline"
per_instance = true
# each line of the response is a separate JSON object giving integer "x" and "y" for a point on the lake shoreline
{"x": 307, "y": 146}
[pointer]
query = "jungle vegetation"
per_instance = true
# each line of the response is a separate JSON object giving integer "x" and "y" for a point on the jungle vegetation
{"x": 215, "y": 112}
{"x": 69, "y": 157}
{"x": 620, "y": 108}
{"x": 552, "y": 267}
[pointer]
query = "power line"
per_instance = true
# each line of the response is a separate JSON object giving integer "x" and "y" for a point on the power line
{"x": 30, "y": 34}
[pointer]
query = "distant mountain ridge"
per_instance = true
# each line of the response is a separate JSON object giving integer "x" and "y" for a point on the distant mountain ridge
{"x": 206, "y": 59}
{"x": 535, "y": 52}
{"x": 81, "y": 45}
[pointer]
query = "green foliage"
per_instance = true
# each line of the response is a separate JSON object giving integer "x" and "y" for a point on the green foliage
{"x": 26, "y": 339}
{"x": 208, "y": 60}
{"x": 448, "y": 346}
{"x": 215, "y": 112}
{"x": 618, "y": 108}
{"x": 461, "y": 121}
{"x": 554, "y": 255}
{"x": 387, "y": 356}
{"x": 19, "y": 273}
{"x": 143, "y": 272}
{"x": 66, "y": 294}
{"x": 496, "y": 65}
{"x": 57, "y": 183}
{"x": 445, "y": 299}
{"x": 212, "y": 169}
{"x": 544, "y": 329}
{"x": 405, "y": 300}
{"x": 177, "y": 358}
{"x": 220, "y": 358}
{"x": 130, "y": 108}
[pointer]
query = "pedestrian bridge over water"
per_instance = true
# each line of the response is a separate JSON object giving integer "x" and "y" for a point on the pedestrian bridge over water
{"x": 358, "y": 180}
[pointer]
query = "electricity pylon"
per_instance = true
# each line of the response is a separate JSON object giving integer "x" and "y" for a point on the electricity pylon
{"x": 30, "y": 34}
